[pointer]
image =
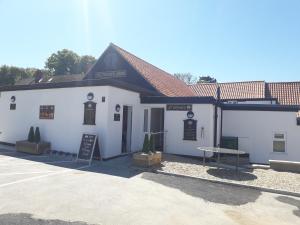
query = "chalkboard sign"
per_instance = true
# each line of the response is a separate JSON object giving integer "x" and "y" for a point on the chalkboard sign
{"x": 190, "y": 130}
{"x": 87, "y": 147}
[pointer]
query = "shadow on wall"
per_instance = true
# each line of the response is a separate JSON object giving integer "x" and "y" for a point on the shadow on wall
{"x": 230, "y": 174}
{"x": 292, "y": 202}
{"x": 24, "y": 218}
{"x": 212, "y": 192}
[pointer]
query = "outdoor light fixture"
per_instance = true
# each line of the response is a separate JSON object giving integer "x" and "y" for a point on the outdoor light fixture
{"x": 190, "y": 114}
{"x": 118, "y": 107}
{"x": 90, "y": 96}
{"x": 13, "y": 99}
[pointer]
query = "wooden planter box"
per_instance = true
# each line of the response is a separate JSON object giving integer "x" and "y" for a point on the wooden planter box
{"x": 146, "y": 160}
{"x": 32, "y": 147}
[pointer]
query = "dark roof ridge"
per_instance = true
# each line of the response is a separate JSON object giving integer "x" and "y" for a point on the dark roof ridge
{"x": 232, "y": 82}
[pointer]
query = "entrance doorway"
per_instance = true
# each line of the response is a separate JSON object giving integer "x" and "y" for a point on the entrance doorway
{"x": 157, "y": 127}
{"x": 126, "y": 129}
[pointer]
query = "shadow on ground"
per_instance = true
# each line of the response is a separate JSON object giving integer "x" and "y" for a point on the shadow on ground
{"x": 120, "y": 166}
{"x": 212, "y": 192}
{"x": 23, "y": 218}
{"x": 290, "y": 201}
{"x": 231, "y": 174}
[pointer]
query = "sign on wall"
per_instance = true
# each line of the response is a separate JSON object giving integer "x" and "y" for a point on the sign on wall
{"x": 87, "y": 147}
{"x": 111, "y": 74}
{"x": 177, "y": 107}
{"x": 190, "y": 130}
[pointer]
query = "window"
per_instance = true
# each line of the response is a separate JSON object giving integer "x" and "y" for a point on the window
{"x": 47, "y": 112}
{"x": 145, "y": 120}
{"x": 89, "y": 113}
{"x": 279, "y": 141}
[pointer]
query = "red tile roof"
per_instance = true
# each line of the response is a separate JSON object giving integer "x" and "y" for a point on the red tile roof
{"x": 164, "y": 82}
{"x": 287, "y": 93}
{"x": 233, "y": 90}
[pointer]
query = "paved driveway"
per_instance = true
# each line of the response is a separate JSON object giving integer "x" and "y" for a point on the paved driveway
{"x": 57, "y": 190}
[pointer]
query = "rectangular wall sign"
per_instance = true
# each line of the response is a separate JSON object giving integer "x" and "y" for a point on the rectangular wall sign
{"x": 179, "y": 107}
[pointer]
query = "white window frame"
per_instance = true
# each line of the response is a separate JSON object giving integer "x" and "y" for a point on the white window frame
{"x": 279, "y": 139}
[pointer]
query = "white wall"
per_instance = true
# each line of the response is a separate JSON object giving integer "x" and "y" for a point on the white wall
{"x": 65, "y": 130}
{"x": 114, "y": 129}
{"x": 255, "y": 131}
{"x": 173, "y": 124}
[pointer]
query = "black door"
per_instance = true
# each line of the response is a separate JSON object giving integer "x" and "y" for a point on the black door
{"x": 126, "y": 129}
{"x": 157, "y": 127}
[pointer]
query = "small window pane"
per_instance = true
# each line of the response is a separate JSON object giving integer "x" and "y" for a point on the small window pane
{"x": 146, "y": 120}
{"x": 278, "y": 146}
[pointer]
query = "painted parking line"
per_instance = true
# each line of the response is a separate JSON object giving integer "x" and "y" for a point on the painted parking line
{"x": 41, "y": 162}
{"x": 42, "y": 176}
{"x": 24, "y": 173}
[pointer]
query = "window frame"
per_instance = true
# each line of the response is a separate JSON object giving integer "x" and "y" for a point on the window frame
{"x": 146, "y": 121}
{"x": 278, "y": 139}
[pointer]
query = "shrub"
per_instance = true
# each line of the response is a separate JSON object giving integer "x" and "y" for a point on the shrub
{"x": 151, "y": 144}
{"x": 146, "y": 144}
{"x": 31, "y": 135}
{"x": 37, "y": 135}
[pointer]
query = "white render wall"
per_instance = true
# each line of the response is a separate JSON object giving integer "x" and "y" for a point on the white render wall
{"x": 173, "y": 124}
{"x": 65, "y": 131}
{"x": 255, "y": 130}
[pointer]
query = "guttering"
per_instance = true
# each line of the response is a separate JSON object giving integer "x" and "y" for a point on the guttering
{"x": 82, "y": 83}
{"x": 177, "y": 100}
{"x": 261, "y": 107}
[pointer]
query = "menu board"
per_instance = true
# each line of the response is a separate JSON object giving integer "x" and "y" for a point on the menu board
{"x": 87, "y": 147}
{"x": 190, "y": 130}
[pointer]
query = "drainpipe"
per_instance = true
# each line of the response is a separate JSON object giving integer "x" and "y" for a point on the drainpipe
{"x": 216, "y": 116}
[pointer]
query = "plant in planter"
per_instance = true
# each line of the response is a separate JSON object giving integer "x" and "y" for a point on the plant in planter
{"x": 33, "y": 144}
{"x": 148, "y": 156}
{"x": 31, "y": 135}
{"x": 37, "y": 135}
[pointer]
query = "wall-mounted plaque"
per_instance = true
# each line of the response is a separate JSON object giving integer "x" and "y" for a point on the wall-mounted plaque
{"x": 190, "y": 130}
{"x": 87, "y": 146}
{"x": 117, "y": 117}
{"x": 111, "y": 74}
{"x": 12, "y": 106}
{"x": 177, "y": 107}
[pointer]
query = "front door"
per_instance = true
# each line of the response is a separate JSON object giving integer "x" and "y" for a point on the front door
{"x": 126, "y": 129}
{"x": 157, "y": 127}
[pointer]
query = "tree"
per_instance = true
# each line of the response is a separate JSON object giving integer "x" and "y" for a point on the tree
{"x": 85, "y": 63}
{"x": 206, "y": 79}
{"x": 37, "y": 135}
{"x": 63, "y": 62}
{"x": 68, "y": 62}
{"x": 146, "y": 144}
{"x": 185, "y": 77}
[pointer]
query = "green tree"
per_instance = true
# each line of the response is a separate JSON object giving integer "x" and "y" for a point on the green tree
{"x": 206, "y": 79}
{"x": 85, "y": 63}
{"x": 146, "y": 144}
{"x": 37, "y": 135}
{"x": 185, "y": 77}
{"x": 63, "y": 62}
{"x": 31, "y": 135}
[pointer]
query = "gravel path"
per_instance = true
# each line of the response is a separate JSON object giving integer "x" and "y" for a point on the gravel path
{"x": 266, "y": 178}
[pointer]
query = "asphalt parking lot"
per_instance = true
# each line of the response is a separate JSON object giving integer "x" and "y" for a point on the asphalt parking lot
{"x": 54, "y": 189}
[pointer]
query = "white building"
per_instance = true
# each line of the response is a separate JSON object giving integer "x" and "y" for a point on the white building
{"x": 123, "y": 97}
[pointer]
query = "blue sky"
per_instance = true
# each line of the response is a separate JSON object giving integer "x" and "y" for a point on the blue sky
{"x": 232, "y": 40}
